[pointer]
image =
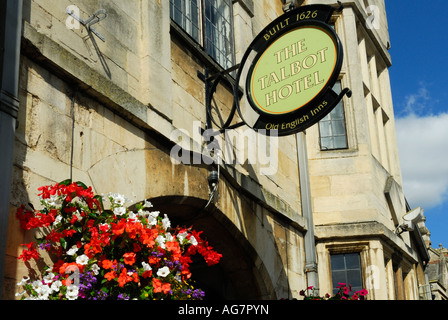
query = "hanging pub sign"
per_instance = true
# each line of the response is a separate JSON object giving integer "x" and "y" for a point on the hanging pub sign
{"x": 288, "y": 72}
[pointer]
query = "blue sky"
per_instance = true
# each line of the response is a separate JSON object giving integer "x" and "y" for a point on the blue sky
{"x": 419, "y": 50}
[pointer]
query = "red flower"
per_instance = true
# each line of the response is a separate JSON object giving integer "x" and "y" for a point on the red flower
{"x": 107, "y": 264}
{"x": 153, "y": 260}
{"x": 118, "y": 228}
{"x": 174, "y": 248}
{"x": 157, "y": 285}
{"x": 68, "y": 233}
{"x": 166, "y": 287}
{"x": 147, "y": 274}
{"x": 29, "y": 254}
{"x": 136, "y": 247}
{"x": 125, "y": 277}
{"x": 161, "y": 287}
{"x": 129, "y": 258}
{"x": 110, "y": 275}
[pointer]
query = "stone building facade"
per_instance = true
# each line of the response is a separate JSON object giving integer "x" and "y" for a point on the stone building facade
{"x": 114, "y": 106}
{"x": 437, "y": 274}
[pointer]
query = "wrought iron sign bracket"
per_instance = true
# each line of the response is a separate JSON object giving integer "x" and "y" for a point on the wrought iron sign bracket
{"x": 273, "y": 105}
{"x": 93, "y": 19}
{"x": 211, "y": 83}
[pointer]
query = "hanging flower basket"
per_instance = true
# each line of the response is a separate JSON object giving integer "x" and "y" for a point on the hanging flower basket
{"x": 108, "y": 253}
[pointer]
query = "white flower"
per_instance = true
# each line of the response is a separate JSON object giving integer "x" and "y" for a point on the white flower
{"x": 154, "y": 214}
{"x": 119, "y": 211}
{"x": 161, "y": 241}
{"x": 193, "y": 241}
{"x": 72, "y": 292}
{"x": 95, "y": 269}
{"x": 146, "y": 266}
{"x": 54, "y": 201}
{"x": 132, "y": 216}
{"x": 56, "y": 285}
{"x": 117, "y": 198}
{"x": 49, "y": 277}
{"x": 182, "y": 236}
{"x": 143, "y": 213}
{"x": 163, "y": 272}
{"x": 166, "y": 222}
{"x": 168, "y": 237}
{"x": 43, "y": 292}
{"x": 147, "y": 204}
{"x": 72, "y": 250}
{"x": 24, "y": 281}
{"x": 57, "y": 220}
{"x": 83, "y": 260}
{"x": 151, "y": 220}
{"x": 36, "y": 284}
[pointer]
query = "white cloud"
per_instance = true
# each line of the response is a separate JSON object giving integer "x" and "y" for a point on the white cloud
{"x": 423, "y": 148}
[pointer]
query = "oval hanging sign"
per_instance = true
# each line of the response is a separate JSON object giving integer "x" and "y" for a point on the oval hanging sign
{"x": 293, "y": 70}
{"x": 296, "y": 61}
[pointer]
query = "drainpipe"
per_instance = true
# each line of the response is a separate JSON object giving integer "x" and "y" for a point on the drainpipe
{"x": 10, "y": 37}
{"x": 305, "y": 196}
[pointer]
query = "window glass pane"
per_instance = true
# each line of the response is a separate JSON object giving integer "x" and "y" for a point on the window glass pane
{"x": 325, "y": 129}
{"x": 219, "y": 36}
{"x": 333, "y": 134}
{"x": 338, "y": 128}
{"x": 326, "y": 143}
{"x": 338, "y": 112}
{"x": 337, "y": 87}
{"x": 346, "y": 268}
{"x": 340, "y": 142}
{"x": 186, "y": 13}
{"x": 352, "y": 261}
{"x": 338, "y": 277}
{"x": 354, "y": 279}
{"x": 337, "y": 262}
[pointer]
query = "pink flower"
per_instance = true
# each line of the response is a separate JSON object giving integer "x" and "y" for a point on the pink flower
{"x": 340, "y": 285}
{"x": 346, "y": 291}
{"x": 363, "y": 292}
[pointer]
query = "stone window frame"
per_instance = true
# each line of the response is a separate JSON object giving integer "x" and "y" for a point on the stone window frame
{"x": 344, "y": 248}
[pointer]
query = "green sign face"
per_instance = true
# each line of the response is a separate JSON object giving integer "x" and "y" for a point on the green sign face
{"x": 293, "y": 70}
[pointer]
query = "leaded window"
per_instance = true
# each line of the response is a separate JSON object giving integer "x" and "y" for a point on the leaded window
{"x": 332, "y": 130}
{"x": 346, "y": 268}
{"x": 209, "y": 23}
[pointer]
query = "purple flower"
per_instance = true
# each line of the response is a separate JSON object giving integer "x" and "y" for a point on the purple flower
{"x": 123, "y": 296}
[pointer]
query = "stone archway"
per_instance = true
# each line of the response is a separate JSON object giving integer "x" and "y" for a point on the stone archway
{"x": 238, "y": 275}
